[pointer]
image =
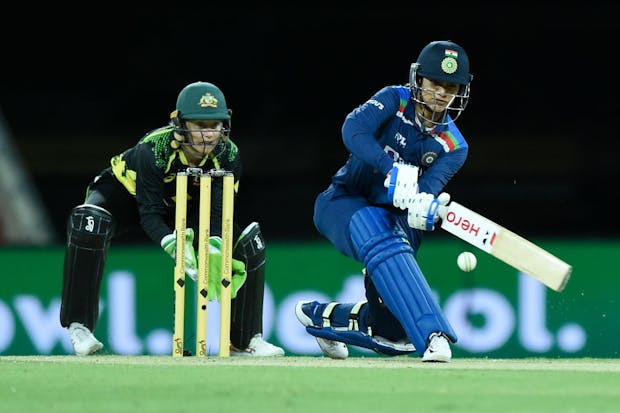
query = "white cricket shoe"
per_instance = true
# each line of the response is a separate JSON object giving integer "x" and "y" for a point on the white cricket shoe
{"x": 438, "y": 349}
{"x": 258, "y": 347}
{"x": 331, "y": 348}
{"x": 84, "y": 342}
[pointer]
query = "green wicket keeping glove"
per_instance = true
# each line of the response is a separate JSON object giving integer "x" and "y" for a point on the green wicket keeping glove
{"x": 169, "y": 244}
{"x": 239, "y": 273}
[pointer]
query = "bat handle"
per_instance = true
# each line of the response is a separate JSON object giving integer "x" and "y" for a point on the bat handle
{"x": 442, "y": 211}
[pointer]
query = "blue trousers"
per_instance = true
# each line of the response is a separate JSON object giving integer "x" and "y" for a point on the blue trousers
{"x": 333, "y": 210}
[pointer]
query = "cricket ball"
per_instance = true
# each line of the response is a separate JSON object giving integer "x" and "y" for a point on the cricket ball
{"x": 466, "y": 261}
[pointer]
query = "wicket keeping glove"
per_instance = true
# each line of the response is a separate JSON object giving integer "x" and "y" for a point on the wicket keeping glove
{"x": 169, "y": 244}
{"x": 424, "y": 210}
{"x": 239, "y": 273}
{"x": 402, "y": 184}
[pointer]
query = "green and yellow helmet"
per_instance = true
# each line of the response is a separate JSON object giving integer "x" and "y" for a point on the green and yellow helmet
{"x": 200, "y": 101}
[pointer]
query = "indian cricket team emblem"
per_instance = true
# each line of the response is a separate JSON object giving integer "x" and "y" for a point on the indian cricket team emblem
{"x": 428, "y": 158}
{"x": 449, "y": 64}
{"x": 208, "y": 101}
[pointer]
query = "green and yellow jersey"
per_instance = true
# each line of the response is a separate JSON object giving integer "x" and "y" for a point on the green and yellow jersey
{"x": 148, "y": 172}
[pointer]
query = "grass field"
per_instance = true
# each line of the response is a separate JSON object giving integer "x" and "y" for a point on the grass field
{"x": 305, "y": 384}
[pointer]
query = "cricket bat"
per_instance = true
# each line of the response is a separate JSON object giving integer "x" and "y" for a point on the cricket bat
{"x": 505, "y": 245}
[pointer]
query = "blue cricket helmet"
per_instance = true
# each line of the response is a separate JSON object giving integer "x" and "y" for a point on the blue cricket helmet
{"x": 443, "y": 60}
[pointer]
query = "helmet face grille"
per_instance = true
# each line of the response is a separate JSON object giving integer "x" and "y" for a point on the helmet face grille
{"x": 450, "y": 114}
{"x": 457, "y": 105}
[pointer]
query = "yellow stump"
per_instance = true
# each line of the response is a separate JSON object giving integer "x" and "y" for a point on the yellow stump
{"x": 204, "y": 233}
{"x": 179, "y": 268}
{"x": 226, "y": 280}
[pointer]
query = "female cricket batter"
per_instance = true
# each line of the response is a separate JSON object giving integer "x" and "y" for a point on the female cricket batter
{"x": 404, "y": 148}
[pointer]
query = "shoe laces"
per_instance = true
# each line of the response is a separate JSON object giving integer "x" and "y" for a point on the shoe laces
{"x": 257, "y": 339}
{"x": 435, "y": 339}
{"x": 80, "y": 332}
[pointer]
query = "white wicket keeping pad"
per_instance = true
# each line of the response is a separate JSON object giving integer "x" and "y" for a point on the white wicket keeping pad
{"x": 505, "y": 245}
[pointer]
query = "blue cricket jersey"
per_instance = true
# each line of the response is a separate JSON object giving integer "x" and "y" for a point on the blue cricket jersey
{"x": 385, "y": 130}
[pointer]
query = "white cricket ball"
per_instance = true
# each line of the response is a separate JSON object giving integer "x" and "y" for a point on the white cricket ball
{"x": 466, "y": 261}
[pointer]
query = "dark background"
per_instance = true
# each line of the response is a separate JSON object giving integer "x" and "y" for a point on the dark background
{"x": 79, "y": 86}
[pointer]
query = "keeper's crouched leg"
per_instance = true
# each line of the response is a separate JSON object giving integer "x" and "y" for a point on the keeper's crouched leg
{"x": 247, "y": 307}
{"x": 89, "y": 230}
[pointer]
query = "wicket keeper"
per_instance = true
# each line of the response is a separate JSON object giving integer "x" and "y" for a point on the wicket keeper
{"x": 137, "y": 192}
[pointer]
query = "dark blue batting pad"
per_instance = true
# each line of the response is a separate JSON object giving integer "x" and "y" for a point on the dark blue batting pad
{"x": 391, "y": 265}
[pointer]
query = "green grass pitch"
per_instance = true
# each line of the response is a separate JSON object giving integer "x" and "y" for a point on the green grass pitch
{"x": 154, "y": 384}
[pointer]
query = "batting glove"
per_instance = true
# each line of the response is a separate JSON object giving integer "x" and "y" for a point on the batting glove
{"x": 424, "y": 210}
{"x": 402, "y": 184}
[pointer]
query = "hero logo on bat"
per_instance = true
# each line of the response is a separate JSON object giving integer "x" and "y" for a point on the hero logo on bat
{"x": 476, "y": 231}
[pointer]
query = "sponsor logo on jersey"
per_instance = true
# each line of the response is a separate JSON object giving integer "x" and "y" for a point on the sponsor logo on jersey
{"x": 376, "y": 103}
{"x": 392, "y": 153}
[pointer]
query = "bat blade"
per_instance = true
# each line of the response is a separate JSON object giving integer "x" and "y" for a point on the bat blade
{"x": 506, "y": 246}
